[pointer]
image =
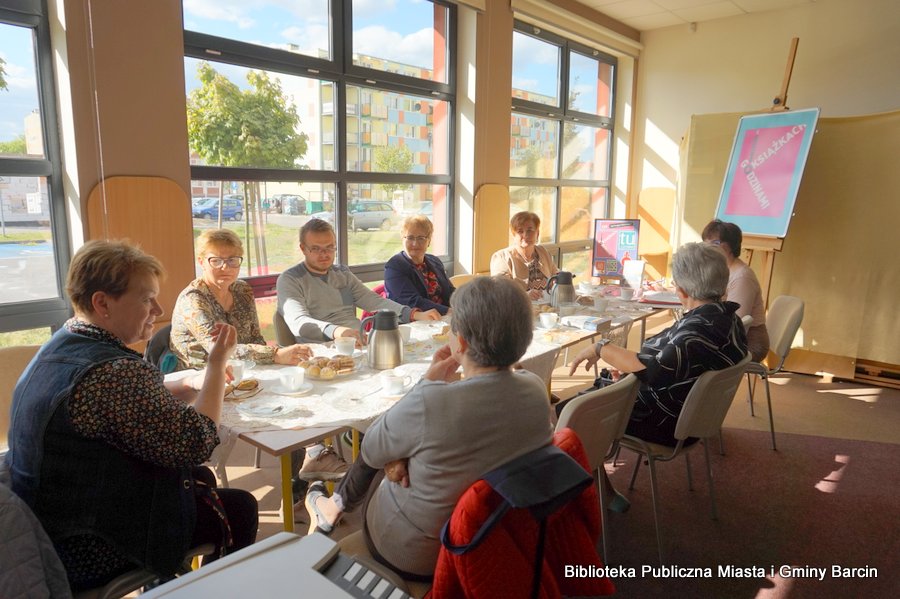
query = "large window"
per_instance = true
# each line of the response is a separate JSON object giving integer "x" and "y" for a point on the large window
{"x": 338, "y": 110}
{"x": 34, "y": 245}
{"x": 560, "y": 134}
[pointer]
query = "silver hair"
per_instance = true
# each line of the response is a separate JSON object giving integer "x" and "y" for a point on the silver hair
{"x": 494, "y": 316}
{"x": 701, "y": 271}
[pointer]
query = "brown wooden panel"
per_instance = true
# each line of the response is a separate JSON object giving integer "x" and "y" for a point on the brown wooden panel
{"x": 154, "y": 213}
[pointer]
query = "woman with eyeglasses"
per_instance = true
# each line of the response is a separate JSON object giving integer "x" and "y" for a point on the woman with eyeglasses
{"x": 219, "y": 296}
{"x": 414, "y": 278}
{"x": 525, "y": 261}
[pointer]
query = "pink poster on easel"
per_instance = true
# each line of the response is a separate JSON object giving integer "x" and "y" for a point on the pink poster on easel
{"x": 765, "y": 169}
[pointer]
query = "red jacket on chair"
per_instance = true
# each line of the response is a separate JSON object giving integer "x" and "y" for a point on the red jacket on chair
{"x": 502, "y": 565}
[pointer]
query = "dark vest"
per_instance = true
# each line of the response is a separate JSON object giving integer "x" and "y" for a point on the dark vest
{"x": 77, "y": 485}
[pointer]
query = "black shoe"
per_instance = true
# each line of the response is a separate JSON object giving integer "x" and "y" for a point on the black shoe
{"x": 298, "y": 488}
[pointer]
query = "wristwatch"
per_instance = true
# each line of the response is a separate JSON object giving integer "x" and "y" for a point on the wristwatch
{"x": 599, "y": 346}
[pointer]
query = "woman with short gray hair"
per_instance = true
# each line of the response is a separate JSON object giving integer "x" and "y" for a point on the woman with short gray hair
{"x": 699, "y": 272}
{"x": 710, "y": 336}
{"x": 447, "y": 432}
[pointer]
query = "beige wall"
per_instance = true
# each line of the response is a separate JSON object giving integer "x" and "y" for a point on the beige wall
{"x": 120, "y": 70}
{"x": 848, "y": 63}
{"x": 136, "y": 123}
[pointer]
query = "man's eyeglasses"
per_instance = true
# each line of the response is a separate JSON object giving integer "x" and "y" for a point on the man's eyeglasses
{"x": 231, "y": 261}
{"x": 416, "y": 238}
{"x": 525, "y": 232}
{"x": 315, "y": 249}
{"x": 714, "y": 241}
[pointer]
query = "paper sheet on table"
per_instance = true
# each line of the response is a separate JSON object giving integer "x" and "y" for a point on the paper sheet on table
{"x": 633, "y": 273}
{"x": 660, "y": 297}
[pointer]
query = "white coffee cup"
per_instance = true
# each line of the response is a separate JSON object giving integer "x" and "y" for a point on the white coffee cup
{"x": 405, "y": 332}
{"x": 291, "y": 378}
{"x": 345, "y": 345}
{"x": 549, "y": 319}
{"x": 239, "y": 368}
{"x": 601, "y": 303}
{"x": 626, "y": 293}
{"x": 393, "y": 383}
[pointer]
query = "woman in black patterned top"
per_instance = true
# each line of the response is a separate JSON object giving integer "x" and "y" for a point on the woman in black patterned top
{"x": 103, "y": 450}
{"x": 219, "y": 296}
{"x": 710, "y": 336}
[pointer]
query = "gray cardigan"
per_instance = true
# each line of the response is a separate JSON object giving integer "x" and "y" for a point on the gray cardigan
{"x": 32, "y": 569}
{"x": 452, "y": 433}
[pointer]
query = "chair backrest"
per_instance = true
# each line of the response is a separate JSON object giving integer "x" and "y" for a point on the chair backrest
{"x": 158, "y": 347}
{"x": 708, "y": 401}
{"x": 283, "y": 334}
{"x": 380, "y": 290}
{"x": 600, "y": 417}
{"x": 783, "y": 321}
{"x": 461, "y": 279}
{"x": 13, "y": 361}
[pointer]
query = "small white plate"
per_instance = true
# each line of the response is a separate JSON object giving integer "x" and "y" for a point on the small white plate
{"x": 306, "y": 387}
{"x": 268, "y": 407}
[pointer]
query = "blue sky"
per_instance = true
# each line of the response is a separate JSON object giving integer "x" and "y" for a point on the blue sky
{"x": 20, "y": 97}
{"x": 399, "y": 30}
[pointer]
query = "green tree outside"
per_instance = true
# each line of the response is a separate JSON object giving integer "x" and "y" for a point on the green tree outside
{"x": 393, "y": 159}
{"x": 256, "y": 127}
{"x": 13, "y": 147}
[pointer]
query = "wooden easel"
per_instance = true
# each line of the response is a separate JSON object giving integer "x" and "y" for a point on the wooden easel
{"x": 757, "y": 243}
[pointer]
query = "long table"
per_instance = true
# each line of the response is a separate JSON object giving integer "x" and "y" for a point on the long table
{"x": 352, "y": 402}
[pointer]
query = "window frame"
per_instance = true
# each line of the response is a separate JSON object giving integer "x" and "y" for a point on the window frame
{"x": 342, "y": 73}
{"x": 566, "y": 116}
{"x": 49, "y": 312}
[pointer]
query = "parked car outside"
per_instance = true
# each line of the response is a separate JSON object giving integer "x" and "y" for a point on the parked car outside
{"x": 292, "y": 204}
{"x": 232, "y": 209}
{"x": 366, "y": 214}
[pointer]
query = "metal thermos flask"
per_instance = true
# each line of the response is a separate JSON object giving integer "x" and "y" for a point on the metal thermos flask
{"x": 385, "y": 346}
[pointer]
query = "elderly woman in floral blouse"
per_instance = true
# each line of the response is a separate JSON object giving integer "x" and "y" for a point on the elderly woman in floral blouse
{"x": 219, "y": 296}
{"x": 104, "y": 450}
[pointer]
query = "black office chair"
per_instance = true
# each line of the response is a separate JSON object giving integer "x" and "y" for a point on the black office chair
{"x": 158, "y": 353}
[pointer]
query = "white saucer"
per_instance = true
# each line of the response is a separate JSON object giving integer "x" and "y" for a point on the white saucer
{"x": 268, "y": 407}
{"x": 543, "y": 328}
{"x": 306, "y": 387}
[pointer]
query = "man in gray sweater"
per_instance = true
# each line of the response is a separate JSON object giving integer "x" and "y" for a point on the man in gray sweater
{"x": 318, "y": 298}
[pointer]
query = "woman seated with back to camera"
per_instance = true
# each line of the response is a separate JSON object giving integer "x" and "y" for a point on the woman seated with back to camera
{"x": 103, "y": 451}
{"x": 220, "y": 296}
{"x": 414, "y": 278}
{"x": 743, "y": 286}
{"x": 445, "y": 433}
{"x": 525, "y": 261}
{"x": 709, "y": 336}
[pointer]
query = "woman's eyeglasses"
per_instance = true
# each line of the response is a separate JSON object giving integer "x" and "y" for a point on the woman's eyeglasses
{"x": 416, "y": 239}
{"x": 231, "y": 261}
